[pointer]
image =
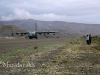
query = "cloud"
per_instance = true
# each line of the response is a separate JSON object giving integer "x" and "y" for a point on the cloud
{"x": 22, "y": 14}
{"x": 17, "y": 14}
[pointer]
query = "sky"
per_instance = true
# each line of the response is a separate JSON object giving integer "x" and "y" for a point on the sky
{"x": 81, "y": 11}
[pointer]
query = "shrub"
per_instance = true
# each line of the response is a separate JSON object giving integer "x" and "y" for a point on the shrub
{"x": 35, "y": 47}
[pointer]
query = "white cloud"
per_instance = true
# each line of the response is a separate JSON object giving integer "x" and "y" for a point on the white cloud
{"x": 17, "y": 14}
{"x": 22, "y": 14}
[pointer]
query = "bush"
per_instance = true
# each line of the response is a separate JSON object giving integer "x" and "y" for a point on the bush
{"x": 35, "y": 47}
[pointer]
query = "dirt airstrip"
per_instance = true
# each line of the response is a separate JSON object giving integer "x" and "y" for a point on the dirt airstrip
{"x": 7, "y": 45}
{"x": 58, "y": 56}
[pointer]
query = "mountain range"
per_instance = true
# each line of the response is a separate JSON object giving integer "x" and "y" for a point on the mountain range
{"x": 66, "y": 28}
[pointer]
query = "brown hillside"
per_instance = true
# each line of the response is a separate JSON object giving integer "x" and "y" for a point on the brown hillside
{"x": 8, "y": 29}
{"x": 66, "y": 28}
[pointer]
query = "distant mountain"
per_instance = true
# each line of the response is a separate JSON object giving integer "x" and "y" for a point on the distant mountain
{"x": 67, "y": 28}
{"x": 1, "y": 24}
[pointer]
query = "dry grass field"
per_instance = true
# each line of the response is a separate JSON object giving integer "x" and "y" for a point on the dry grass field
{"x": 59, "y": 56}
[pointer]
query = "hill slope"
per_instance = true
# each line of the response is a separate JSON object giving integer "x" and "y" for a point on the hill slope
{"x": 8, "y": 29}
{"x": 65, "y": 27}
